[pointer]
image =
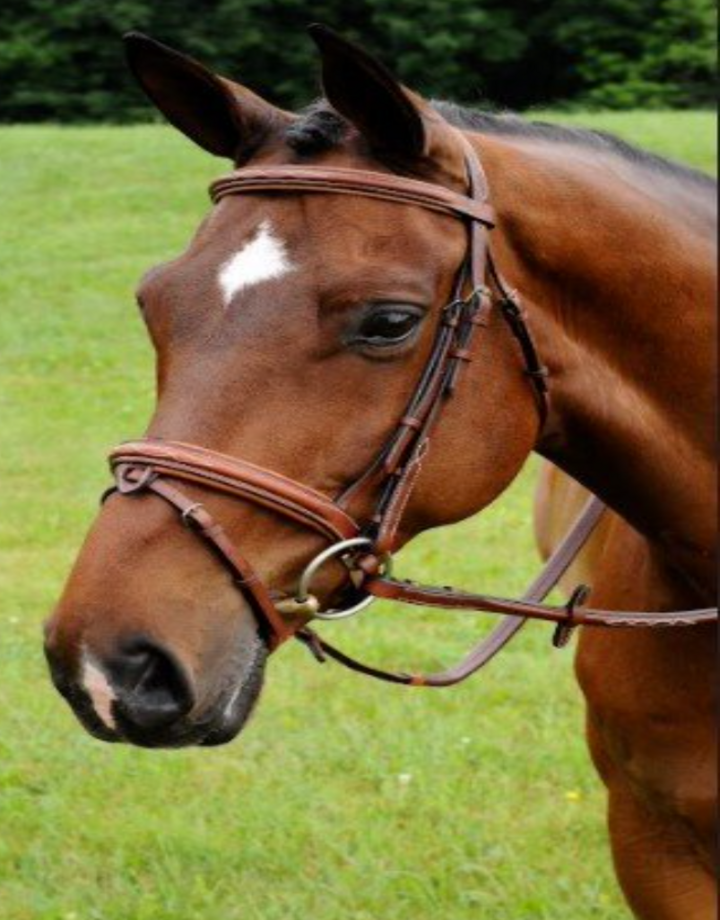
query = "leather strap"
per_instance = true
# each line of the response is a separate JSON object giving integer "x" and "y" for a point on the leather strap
{"x": 574, "y": 615}
{"x": 241, "y": 479}
{"x": 553, "y": 570}
{"x": 134, "y": 477}
{"x": 334, "y": 180}
{"x": 567, "y": 616}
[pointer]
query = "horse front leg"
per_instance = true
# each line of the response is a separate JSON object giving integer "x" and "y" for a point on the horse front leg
{"x": 659, "y": 869}
{"x": 662, "y": 847}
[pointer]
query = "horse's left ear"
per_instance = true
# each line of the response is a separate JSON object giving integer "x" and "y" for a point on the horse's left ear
{"x": 396, "y": 123}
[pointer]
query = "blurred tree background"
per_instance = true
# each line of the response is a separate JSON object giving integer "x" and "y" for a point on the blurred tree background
{"x": 61, "y": 61}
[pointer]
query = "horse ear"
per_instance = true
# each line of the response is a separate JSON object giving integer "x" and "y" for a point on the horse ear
{"x": 365, "y": 92}
{"x": 221, "y": 116}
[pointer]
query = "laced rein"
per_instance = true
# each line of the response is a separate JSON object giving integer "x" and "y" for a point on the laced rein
{"x": 146, "y": 465}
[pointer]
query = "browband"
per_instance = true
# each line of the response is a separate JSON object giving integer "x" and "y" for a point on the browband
{"x": 336, "y": 180}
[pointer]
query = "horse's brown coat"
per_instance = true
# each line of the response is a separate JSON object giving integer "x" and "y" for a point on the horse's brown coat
{"x": 617, "y": 272}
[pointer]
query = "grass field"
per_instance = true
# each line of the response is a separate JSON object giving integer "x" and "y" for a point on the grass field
{"x": 344, "y": 800}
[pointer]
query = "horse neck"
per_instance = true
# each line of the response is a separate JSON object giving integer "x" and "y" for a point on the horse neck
{"x": 618, "y": 279}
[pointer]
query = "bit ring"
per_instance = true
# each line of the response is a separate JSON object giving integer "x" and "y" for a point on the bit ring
{"x": 311, "y": 569}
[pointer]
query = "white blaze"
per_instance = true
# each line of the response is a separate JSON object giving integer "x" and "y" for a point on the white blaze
{"x": 99, "y": 690}
{"x": 263, "y": 258}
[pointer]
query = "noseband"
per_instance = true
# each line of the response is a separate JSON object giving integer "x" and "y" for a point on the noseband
{"x": 365, "y": 548}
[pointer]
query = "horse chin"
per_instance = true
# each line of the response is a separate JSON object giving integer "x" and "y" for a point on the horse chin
{"x": 222, "y": 722}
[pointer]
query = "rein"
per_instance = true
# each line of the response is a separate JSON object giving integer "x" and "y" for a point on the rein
{"x": 154, "y": 465}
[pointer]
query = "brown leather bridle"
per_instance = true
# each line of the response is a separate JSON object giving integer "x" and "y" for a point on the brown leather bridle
{"x": 152, "y": 465}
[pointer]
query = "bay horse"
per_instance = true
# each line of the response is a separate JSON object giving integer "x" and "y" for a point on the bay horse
{"x": 290, "y": 338}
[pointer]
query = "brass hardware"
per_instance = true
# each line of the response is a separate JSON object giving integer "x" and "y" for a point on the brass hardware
{"x": 294, "y": 607}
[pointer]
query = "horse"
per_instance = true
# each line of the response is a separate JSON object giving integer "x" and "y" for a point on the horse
{"x": 292, "y": 333}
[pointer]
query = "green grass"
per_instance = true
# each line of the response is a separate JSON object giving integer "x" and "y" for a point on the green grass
{"x": 344, "y": 800}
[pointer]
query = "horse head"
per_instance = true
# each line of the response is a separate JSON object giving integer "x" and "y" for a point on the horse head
{"x": 291, "y": 333}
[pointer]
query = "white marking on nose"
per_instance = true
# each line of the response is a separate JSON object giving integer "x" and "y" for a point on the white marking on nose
{"x": 98, "y": 689}
{"x": 264, "y": 258}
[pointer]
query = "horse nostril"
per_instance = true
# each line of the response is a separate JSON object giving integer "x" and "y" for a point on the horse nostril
{"x": 152, "y": 687}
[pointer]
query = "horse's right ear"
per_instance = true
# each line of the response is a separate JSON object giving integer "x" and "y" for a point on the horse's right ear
{"x": 221, "y": 116}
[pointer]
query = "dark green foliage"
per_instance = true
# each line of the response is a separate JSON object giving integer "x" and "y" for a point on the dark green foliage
{"x": 637, "y": 53}
{"x": 62, "y": 61}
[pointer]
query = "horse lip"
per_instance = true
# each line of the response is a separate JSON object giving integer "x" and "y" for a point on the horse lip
{"x": 185, "y": 735}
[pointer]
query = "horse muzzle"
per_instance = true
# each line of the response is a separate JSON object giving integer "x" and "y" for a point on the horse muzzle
{"x": 143, "y": 694}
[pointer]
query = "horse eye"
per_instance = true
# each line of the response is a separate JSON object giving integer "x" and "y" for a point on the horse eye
{"x": 388, "y": 326}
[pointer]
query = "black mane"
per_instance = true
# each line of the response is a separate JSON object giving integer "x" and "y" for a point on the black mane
{"x": 320, "y": 128}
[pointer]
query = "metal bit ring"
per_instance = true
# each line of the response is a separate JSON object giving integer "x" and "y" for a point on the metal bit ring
{"x": 312, "y": 568}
